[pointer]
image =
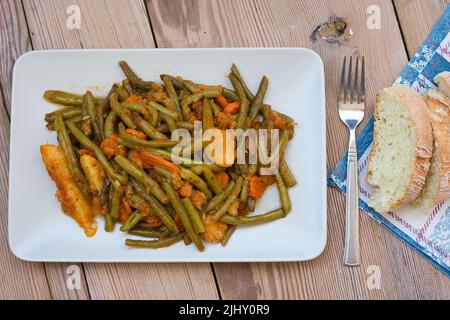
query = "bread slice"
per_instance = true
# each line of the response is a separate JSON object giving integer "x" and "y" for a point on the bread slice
{"x": 443, "y": 81}
{"x": 437, "y": 186}
{"x": 402, "y": 148}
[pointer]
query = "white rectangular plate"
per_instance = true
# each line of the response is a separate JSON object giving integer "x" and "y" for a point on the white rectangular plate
{"x": 39, "y": 231}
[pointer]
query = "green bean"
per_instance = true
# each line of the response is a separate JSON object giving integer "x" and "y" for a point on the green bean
{"x": 181, "y": 211}
{"x": 115, "y": 197}
{"x": 252, "y": 169}
{"x": 120, "y": 112}
{"x": 185, "y": 125}
{"x": 71, "y": 157}
{"x": 167, "y": 154}
{"x": 63, "y": 98}
{"x": 122, "y": 94}
{"x": 187, "y": 240}
{"x": 127, "y": 85}
{"x": 238, "y": 76}
{"x": 67, "y": 112}
{"x": 211, "y": 180}
{"x": 109, "y": 223}
{"x": 177, "y": 82}
{"x": 132, "y": 220}
{"x": 207, "y": 119}
{"x": 170, "y": 122}
{"x": 230, "y": 95}
{"x": 148, "y": 129}
{"x": 149, "y": 233}
{"x": 258, "y": 101}
{"x": 163, "y": 110}
{"x": 51, "y": 125}
{"x": 243, "y": 110}
{"x": 286, "y": 174}
{"x": 284, "y": 194}
{"x": 87, "y": 143}
{"x": 198, "y": 182}
{"x": 94, "y": 116}
{"x": 194, "y": 215}
{"x": 136, "y": 107}
{"x": 188, "y": 84}
{"x": 215, "y": 108}
{"x": 134, "y": 79}
{"x": 154, "y": 244}
{"x": 163, "y": 172}
{"x": 104, "y": 107}
{"x": 172, "y": 94}
{"x": 104, "y": 193}
{"x": 157, "y": 209}
{"x": 139, "y": 142}
{"x": 151, "y": 186}
{"x": 86, "y": 126}
{"x": 110, "y": 123}
{"x": 231, "y": 229}
{"x": 243, "y": 220}
{"x": 223, "y": 209}
{"x": 208, "y": 94}
{"x": 218, "y": 199}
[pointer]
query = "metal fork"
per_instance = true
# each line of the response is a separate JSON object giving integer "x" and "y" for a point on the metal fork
{"x": 351, "y": 112}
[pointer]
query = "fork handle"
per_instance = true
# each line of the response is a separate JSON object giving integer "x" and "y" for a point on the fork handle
{"x": 351, "y": 249}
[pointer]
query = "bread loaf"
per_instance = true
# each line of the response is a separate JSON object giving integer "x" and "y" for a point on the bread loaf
{"x": 402, "y": 148}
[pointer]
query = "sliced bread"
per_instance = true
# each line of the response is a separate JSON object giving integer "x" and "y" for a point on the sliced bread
{"x": 402, "y": 148}
{"x": 437, "y": 186}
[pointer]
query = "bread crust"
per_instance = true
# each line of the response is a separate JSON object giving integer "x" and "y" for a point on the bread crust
{"x": 416, "y": 107}
{"x": 439, "y": 107}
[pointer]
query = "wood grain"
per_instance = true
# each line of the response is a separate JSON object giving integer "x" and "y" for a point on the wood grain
{"x": 417, "y": 18}
{"x": 290, "y": 23}
{"x": 110, "y": 24}
{"x": 14, "y": 41}
{"x": 19, "y": 279}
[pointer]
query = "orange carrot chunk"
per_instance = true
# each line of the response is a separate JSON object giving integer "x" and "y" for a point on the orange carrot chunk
{"x": 232, "y": 108}
{"x": 222, "y": 101}
{"x": 223, "y": 179}
{"x": 202, "y": 87}
{"x": 256, "y": 187}
{"x": 136, "y": 133}
{"x": 150, "y": 160}
{"x": 134, "y": 99}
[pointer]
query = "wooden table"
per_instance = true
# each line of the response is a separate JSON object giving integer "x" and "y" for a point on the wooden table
{"x": 41, "y": 24}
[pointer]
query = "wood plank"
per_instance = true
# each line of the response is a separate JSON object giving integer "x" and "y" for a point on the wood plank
{"x": 417, "y": 18}
{"x": 289, "y": 24}
{"x": 15, "y": 41}
{"x": 110, "y": 24}
{"x": 19, "y": 279}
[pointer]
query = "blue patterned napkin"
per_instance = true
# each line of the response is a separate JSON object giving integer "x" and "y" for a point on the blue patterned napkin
{"x": 428, "y": 231}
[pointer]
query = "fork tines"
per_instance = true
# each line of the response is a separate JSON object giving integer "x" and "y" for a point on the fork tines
{"x": 354, "y": 90}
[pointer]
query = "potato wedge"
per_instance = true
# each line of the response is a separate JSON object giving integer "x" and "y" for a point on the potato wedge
{"x": 73, "y": 201}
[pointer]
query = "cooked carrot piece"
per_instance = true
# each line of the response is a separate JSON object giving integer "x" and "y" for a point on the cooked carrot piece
{"x": 268, "y": 180}
{"x": 257, "y": 187}
{"x": 198, "y": 199}
{"x": 125, "y": 211}
{"x": 221, "y": 101}
{"x": 202, "y": 87}
{"x": 185, "y": 190}
{"x": 232, "y": 108}
{"x": 223, "y": 179}
{"x": 134, "y": 99}
{"x": 136, "y": 133}
{"x": 150, "y": 160}
{"x": 110, "y": 147}
{"x": 152, "y": 220}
